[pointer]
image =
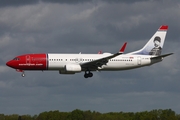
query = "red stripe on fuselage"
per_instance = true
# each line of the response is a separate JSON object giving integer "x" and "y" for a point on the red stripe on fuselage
{"x": 30, "y": 62}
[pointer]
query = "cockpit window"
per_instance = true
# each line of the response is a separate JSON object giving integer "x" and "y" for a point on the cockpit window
{"x": 16, "y": 59}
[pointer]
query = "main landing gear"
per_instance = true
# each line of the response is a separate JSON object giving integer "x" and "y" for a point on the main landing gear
{"x": 88, "y": 74}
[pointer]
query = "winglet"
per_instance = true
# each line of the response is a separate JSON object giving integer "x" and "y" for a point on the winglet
{"x": 123, "y": 48}
{"x": 100, "y": 52}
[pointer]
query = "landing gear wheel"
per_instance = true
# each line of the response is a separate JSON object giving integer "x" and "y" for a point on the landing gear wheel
{"x": 85, "y": 75}
{"x": 23, "y": 75}
{"x": 88, "y": 74}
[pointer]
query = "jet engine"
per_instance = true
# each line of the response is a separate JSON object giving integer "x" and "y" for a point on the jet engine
{"x": 71, "y": 69}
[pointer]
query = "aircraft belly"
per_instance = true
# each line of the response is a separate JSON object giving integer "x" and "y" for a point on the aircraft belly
{"x": 119, "y": 66}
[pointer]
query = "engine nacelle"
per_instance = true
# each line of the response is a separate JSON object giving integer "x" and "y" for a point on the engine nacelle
{"x": 73, "y": 68}
{"x": 70, "y": 69}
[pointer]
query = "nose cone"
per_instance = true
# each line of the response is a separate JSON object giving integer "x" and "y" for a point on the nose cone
{"x": 9, "y": 63}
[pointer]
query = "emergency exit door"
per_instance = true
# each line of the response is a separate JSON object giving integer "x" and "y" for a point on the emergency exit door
{"x": 139, "y": 60}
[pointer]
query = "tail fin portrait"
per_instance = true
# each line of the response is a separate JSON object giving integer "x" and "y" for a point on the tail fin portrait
{"x": 155, "y": 44}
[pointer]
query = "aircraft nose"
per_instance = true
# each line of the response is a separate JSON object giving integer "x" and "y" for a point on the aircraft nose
{"x": 9, "y": 63}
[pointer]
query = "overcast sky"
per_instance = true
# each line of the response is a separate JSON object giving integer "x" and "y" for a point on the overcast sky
{"x": 87, "y": 26}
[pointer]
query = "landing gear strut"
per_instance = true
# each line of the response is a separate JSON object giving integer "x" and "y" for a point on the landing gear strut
{"x": 23, "y": 74}
{"x": 88, "y": 74}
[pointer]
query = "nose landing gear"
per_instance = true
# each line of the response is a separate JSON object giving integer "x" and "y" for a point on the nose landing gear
{"x": 23, "y": 74}
{"x": 88, "y": 74}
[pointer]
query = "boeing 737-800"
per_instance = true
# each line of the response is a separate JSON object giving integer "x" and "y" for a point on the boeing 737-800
{"x": 75, "y": 63}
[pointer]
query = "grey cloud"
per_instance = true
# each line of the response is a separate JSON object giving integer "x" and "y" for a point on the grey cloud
{"x": 15, "y": 3}
{"x": 6, "y": 3}
{"x": 67, "y": 2}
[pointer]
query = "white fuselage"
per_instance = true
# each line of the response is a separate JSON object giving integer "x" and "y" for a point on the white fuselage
{"x": 121, "y": 62}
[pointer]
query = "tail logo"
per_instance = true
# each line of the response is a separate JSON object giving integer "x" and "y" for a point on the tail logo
{"x": 157, "y": 48}
{"x": 155, "y": 44}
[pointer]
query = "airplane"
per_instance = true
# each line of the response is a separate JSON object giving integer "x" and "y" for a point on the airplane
{"x": 76, "y": 63}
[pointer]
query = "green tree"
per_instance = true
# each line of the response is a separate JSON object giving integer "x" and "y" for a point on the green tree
{"x": 2, "y": 117}
{"x": 11, "y": 117}
{"x": 168, "y": 115}
{"x": 77, "y": 115}
{"x": 26, "y": 117}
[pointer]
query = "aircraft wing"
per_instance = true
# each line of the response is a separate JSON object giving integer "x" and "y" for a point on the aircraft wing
{"x": 93, "y": 65}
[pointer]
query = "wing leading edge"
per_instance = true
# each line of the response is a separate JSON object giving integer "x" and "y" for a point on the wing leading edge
{"x": 93, "y": 65}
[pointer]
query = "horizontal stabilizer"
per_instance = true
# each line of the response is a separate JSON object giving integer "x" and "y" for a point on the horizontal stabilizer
{"x": 165, "y": 55}
{"x": 162, "y": 56}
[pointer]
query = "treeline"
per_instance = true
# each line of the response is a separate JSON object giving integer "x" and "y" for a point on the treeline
{"x": 77, "y": 114}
